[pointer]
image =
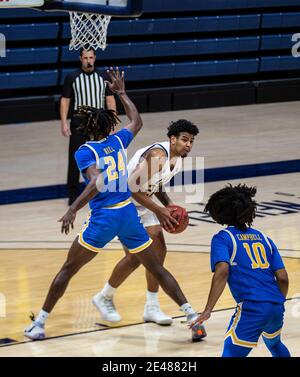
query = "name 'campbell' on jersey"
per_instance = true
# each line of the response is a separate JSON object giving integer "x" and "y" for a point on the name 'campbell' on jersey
{"x": 109, "y": 156}
{"x": 253, "y": 259}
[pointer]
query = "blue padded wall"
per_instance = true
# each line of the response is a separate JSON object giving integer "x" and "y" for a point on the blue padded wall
{"x": 213, "y": 40}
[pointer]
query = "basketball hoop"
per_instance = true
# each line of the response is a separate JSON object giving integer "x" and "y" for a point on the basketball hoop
{"x": 88, "y": 30}
{"x": 89, "y": 19}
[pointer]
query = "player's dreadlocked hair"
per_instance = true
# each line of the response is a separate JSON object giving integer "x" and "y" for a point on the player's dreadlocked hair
{"x": 233, "y": 206}
{"x": 96, "y": 124}
{"x": 182, "y": 125}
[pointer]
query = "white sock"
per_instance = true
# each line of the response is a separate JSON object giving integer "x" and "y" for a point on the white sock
{"x": 187, "y": 309}
{"x": 152, "y": 298}
{"x": 42, "y": 316}
{"x": 108, "y": 291}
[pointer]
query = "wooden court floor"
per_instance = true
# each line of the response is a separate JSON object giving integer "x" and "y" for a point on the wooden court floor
{"x": 26, "y": 275}
{"x": 27, "y": 269}
{"x": 150, "y": 340}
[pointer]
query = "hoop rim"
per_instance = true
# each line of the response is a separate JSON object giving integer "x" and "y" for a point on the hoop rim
{"x": 134, "y": 8}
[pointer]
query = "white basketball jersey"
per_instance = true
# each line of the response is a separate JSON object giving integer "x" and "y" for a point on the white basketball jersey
{"x": 159, "y": 178}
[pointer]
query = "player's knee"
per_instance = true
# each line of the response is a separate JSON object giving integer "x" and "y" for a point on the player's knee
{"x": 68, "y": 270}
{"x": 155, "y": 232}
{"x": 157, "y": 270}
{"x": 133, "y": 261}
{"x": 162, "y": 255}
{"x": 150, "y": 262}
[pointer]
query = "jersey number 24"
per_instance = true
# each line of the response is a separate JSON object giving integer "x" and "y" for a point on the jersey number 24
{"x": 112, "y": 172}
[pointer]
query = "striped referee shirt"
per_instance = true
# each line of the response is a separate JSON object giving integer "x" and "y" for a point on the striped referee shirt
{"x": 86, "y": 89}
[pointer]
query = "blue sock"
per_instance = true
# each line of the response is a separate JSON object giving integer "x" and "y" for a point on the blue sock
{"x": 276, "y": 347}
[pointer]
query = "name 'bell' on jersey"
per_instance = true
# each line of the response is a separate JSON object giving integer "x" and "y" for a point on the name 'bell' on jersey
{"x": 109, "y": 156}
{"x": 253, "y": 259}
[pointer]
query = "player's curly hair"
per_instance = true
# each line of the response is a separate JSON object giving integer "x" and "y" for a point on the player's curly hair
{"x": 233, "y": 205}
{"x": 182, "y": 125}
{"x": 96, "y": 124}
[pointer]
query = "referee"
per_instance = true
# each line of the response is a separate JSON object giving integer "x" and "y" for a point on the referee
{"x": 84, "y": 86}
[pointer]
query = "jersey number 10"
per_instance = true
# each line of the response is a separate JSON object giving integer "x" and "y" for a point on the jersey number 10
{"x": 257, "y": 255}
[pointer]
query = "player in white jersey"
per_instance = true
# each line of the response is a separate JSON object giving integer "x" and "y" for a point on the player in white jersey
{"x": 150, "y": 169}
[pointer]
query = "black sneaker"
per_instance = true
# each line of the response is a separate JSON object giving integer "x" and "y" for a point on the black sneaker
{"x": 198, "y": 330}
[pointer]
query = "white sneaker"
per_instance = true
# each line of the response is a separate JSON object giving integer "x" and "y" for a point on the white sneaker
{"x": 35, "y": 331}
{"x": 152, "y": 313}
{"x": 106, "y": 308}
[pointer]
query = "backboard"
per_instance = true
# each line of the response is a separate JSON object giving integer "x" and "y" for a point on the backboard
{"x": 89, "y": 19}
{"x": 20, "y": 3}
{"x": 117, "y": 8}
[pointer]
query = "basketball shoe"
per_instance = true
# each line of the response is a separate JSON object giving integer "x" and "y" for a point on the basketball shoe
{"x": 35, "y": 331}
{"x": 152, "y": 313}
{"x": 106, "y": 308}
{"x": 198, "y": 330}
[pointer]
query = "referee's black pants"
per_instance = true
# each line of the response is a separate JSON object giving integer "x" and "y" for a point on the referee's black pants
{"x": 76, "y": 139}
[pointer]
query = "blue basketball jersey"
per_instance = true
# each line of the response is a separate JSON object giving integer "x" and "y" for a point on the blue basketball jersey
{"x": 109, "y": 156}
{"x": 253, "y": 258}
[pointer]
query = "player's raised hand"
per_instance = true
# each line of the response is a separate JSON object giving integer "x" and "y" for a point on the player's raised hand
{"x": 67, "y": 220}
{"x": 117, "y": 84}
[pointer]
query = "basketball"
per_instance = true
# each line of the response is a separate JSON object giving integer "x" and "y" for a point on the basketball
{"x": 179, "y": 214}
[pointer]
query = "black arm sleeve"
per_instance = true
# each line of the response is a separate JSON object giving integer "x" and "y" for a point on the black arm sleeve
{"x": 108, "y": 92}
{"x": 67, "y": 91}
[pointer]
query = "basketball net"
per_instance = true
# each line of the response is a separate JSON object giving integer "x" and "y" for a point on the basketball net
{"x": 88, "y": 30}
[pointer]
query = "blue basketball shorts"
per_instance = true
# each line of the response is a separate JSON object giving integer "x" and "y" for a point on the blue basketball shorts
{"x": 253, "y": 319}
{"x": 122, "y": 220}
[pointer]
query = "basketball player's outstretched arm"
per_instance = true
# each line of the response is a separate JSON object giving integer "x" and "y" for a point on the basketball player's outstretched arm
{"x": 117, "y": 85}
{"x": 218, "y": 284}
{"x": 92, "y": 189}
